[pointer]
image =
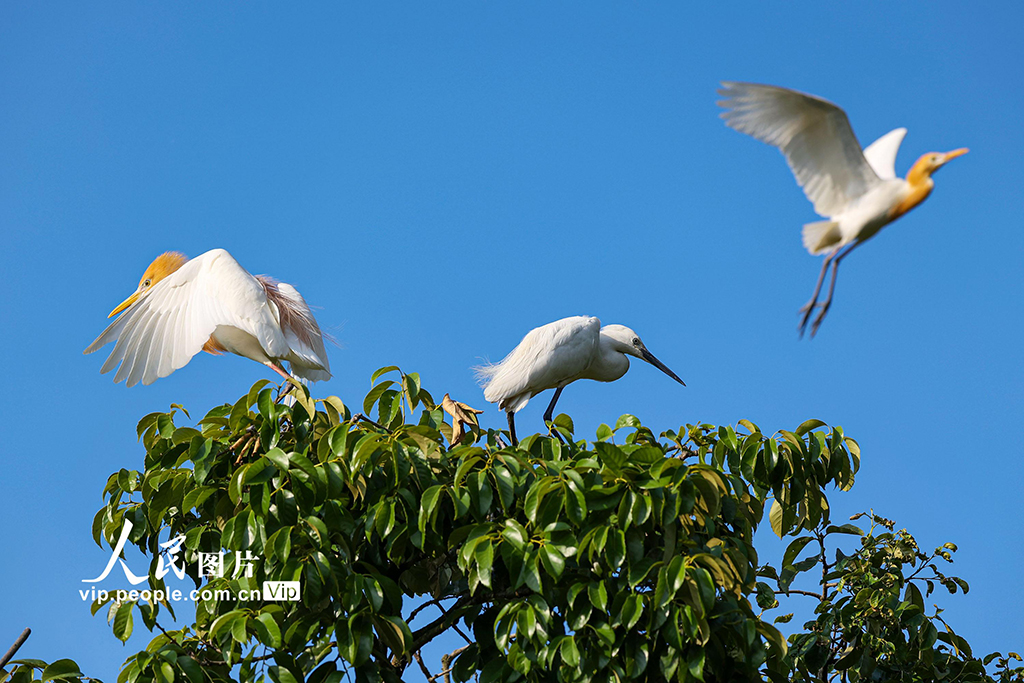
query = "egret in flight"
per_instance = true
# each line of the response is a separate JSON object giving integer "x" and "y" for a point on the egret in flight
{"x": 557, "y": 354}
{"x": 210, "y": 303}
{"x": 856, "y": 190}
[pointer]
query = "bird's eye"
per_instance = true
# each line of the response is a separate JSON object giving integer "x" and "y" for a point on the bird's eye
{"x": 636, "y": 341}
{"x": 146, "y": 283}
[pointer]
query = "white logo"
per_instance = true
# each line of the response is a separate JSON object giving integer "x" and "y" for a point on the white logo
{"x": 281, "y": 590}
{"x": 209, "y": 565}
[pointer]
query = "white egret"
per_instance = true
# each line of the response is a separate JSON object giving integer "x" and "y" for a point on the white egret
{"x": 557, "y": 354}
{"x": 856, "y": 190}
{"x": 212, "y": 304}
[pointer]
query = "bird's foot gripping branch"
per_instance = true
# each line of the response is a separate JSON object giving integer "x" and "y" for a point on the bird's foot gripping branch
{"x": 344, "y": 543}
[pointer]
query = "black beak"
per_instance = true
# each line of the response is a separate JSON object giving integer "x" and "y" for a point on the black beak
{"x": 649, "y": 357}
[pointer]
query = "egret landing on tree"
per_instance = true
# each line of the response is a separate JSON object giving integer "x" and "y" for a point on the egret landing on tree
{"x": 557, "y": 354}
{"x": 857, "y": 190}
{"x": 212, "y": 304}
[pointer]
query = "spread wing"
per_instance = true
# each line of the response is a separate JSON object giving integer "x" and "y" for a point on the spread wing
{"x": 546, "y": 357}
{"x": 170, "y": 323}
{"x": 813, "y": 134}
{"x": 881, "y": 153}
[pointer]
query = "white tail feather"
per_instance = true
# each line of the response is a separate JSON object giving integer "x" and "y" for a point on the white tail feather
{"x": 821, "y": 236}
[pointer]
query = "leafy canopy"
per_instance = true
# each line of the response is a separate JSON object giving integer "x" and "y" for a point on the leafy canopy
{"x": 630, "y": 557}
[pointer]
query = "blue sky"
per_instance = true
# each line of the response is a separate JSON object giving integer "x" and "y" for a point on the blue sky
{"x": 439, "y": 180}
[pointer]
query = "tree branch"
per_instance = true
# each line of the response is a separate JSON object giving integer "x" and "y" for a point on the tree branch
{"x": 14, "y": 648}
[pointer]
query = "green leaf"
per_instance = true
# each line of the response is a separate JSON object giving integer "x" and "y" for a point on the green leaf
{"x": 190, "y": 667}
{"x": 123, "y": 621}
{"x": 374, "y": 395}
{"x": 164, "y": 672}
{"x": 598, "y": 594}
{"x": 554, "y": 563}
{"x": 515, "y": 533}
{"x": 610, "y": 455}
{"x": 793, "y": 550}
{"x": 62, "y": 668}
{"x": 808, "y": 426}
{"x": 570, "y": 653}
{"x": 775, "y": 518}
{"x": 267, "y": 630}
{"x": 381, "y": 371}
{"x": 279, "y": 674}
{"x": 265, "y": 404}
{"x": 626, "y": 420}
{"x": 394, "y": 632}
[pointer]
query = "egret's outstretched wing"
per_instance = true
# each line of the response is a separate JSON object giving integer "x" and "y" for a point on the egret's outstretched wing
{"x": 813, "y": 134}
{"x": 170, "y": 323}
{"x": 881, "y": 153}
{"x": 546, "y": 357}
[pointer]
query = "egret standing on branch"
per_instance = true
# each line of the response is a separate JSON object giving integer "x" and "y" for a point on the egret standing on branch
{"x": 557, "y": 354}
{"x": 857, "y": 190}
{"x": 212, "y": 304}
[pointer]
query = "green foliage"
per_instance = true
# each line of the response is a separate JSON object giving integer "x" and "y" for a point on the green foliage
{"x": 872, "y": 622}
{"x": 627, "y": 558}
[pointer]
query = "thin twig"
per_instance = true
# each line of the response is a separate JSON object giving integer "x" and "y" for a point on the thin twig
{"x": 14, "y": 648}
{"x": 360, "y": 416}
{"x": 423, "y": 667}
{"x": 794, "y": 591}
{"x": 435, "y": 603}
{"x": 169, "y": 636}
{"x": 464, "y": 636}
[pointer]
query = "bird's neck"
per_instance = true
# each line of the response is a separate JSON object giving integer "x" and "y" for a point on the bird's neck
{"x": 609, "y": 365}
{"x": 920, "y": 183}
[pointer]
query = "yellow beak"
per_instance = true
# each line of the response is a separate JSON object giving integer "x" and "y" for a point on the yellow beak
{"x": 124, "y": 304}
{"x": 954, "y": 154}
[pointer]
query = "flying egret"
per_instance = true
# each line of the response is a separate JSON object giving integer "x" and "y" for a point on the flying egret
{"x": 555, "y": 355}
{"x": 856, "y": 190}
{"x": 210, "y": 303}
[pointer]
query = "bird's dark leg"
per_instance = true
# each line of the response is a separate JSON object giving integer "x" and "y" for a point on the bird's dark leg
{"x": 831, "y": 289}
{"x": 809, "y": 307}
{"x": 549, "y": 413}
{"x": 512, "y": 427}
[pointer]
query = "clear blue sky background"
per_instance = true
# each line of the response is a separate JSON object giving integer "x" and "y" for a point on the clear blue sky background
{"x": 439, "y": 180}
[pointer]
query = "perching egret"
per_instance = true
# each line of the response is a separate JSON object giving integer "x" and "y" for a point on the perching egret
{"x": 557, "y": 354}
{"x": 212, "y": 304}
{"x": 857, "y": 190}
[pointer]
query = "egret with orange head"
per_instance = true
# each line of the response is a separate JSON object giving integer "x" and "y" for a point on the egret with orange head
{"x": 210, "y": 303}
{"x": 856, "y": 190}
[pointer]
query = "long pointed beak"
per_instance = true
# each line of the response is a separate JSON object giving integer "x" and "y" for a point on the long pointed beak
{"x": 124, "y": 304}
{"x": 649, "y": 357}
{"x": 954, "y": 154}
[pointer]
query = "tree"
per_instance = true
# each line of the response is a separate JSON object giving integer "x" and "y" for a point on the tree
{"x": 627, "y": 558}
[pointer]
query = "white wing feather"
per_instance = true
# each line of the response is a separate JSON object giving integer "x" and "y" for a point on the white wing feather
{"x": 814, "y": 135}
{"x": 168, "y": 325}
{"x": 881, "y": 153}
{"x": 546, "y": 357}
{"x": 307, "y": 360}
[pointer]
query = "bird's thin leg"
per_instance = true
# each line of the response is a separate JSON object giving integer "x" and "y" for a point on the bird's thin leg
{"x": 809, "y": 307}
{"x": 278, "y": 369}
{"x": 512, "y": 427}
{"x": 831, "y": 290}
{"x": 548, "y": 414}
